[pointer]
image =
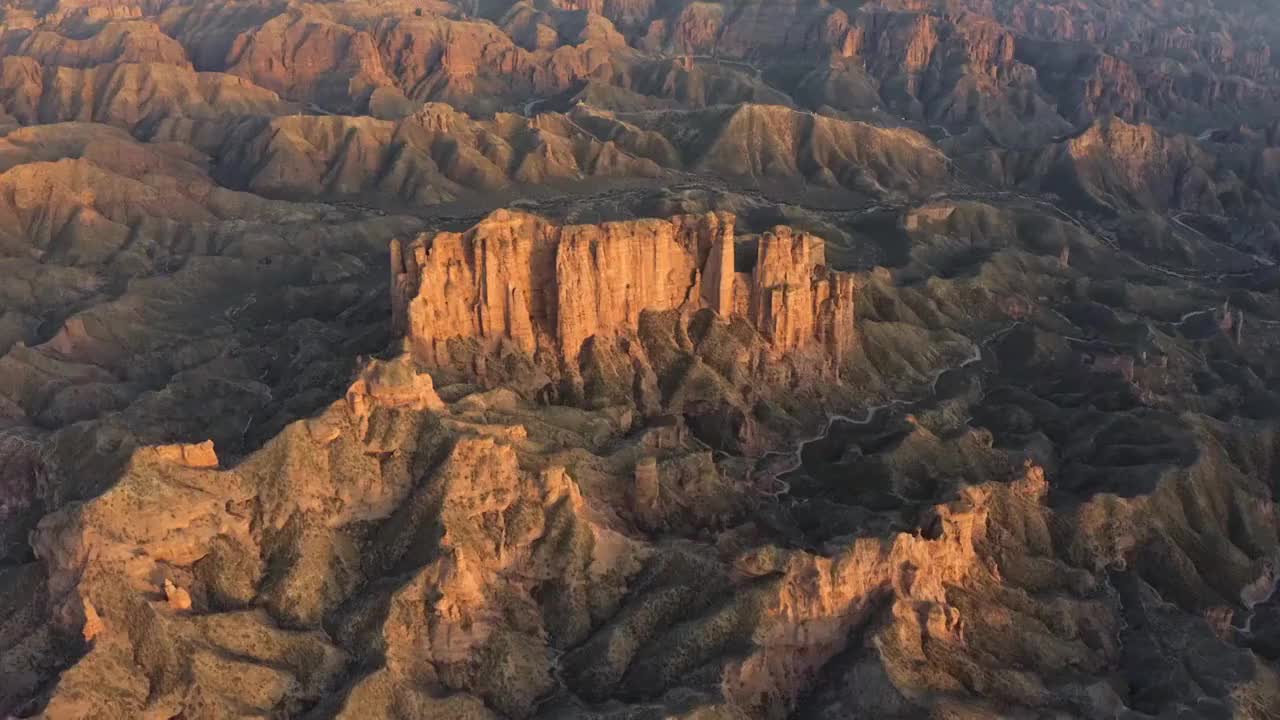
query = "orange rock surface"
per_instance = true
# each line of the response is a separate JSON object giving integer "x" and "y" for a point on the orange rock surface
{"x": 516, "y": 278}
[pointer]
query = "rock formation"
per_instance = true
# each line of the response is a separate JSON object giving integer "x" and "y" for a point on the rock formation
{"x": 515, "y": 278}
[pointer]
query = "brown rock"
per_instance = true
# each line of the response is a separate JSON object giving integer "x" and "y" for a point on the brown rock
{"x": 795, "y": 299}
{"x": 193, "y": 456}
{"x": 645, "y": 493}
{"x": 127, "y": 94}
{"x": 178, "y": 598}
{"x": 122, "y": 41}
{"x": 93, "y": 625}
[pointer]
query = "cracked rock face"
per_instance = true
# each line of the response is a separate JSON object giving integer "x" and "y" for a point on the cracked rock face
{"x": 623, "y": 359}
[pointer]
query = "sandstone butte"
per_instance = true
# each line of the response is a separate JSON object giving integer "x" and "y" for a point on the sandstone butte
{"x": 520, "y": 281}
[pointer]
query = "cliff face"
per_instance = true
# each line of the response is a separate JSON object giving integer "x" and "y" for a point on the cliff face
{"x": 542, "y": 288}
{"x": 793, "y": 305}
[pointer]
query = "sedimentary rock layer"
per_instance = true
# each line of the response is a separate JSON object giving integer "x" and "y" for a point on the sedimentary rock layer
{"x": 519, "y": 279}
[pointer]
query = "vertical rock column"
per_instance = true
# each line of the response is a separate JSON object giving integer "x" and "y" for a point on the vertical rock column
{"x": 645, "y": 494}
{"x": 833, "y": 307}
{"x": 404, "y": 286}
{"x": 782, "y": 293}
{"x": 717, "y": 287}
{"x": 796, "y": 301}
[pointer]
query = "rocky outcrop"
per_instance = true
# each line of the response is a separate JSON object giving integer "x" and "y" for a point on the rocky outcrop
{"x": 794, "y": 301}
{"x": 518, "y": 280}
{"x": 226, "y": 573}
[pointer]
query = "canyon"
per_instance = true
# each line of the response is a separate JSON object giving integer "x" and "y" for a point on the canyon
{"x": 623, "y": 359}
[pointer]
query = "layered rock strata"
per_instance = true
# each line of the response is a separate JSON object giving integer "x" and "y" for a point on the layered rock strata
{"x": 518, "y": 280}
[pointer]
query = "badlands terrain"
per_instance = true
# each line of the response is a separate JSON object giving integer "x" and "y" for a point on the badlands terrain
{"x": 639, "y": 359}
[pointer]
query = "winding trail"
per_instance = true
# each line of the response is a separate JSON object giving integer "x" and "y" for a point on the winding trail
{"x": 795, "y": 456}
{"x": 1252, "y": 602}
{"x": 529, "y": 107}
